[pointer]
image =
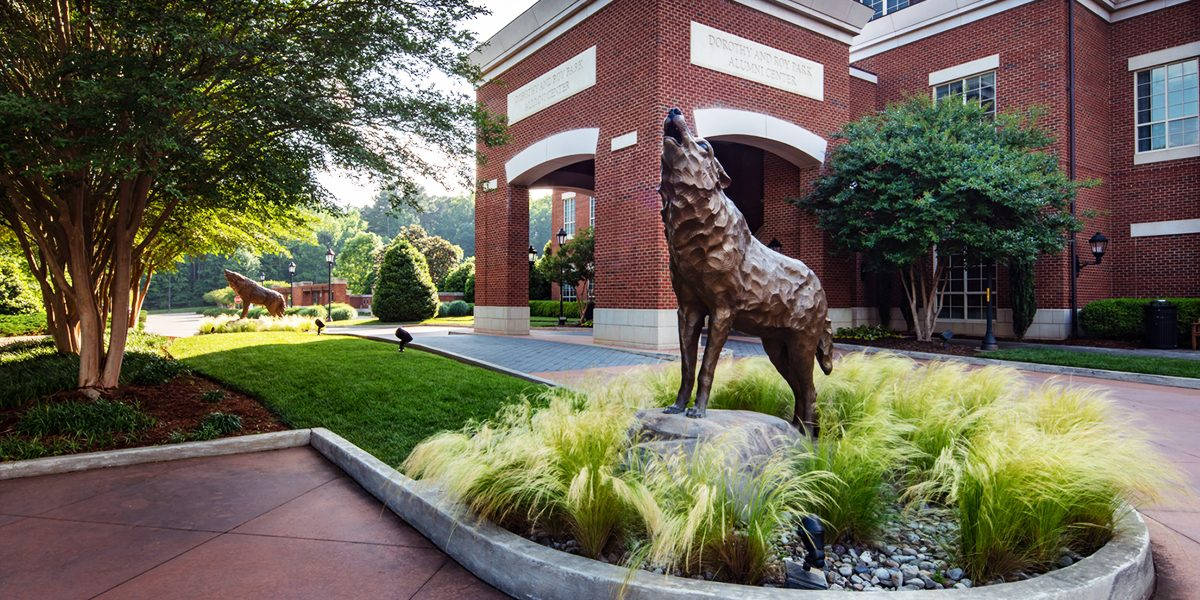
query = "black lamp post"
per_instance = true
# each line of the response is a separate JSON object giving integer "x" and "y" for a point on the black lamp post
{"x": 329, "y": 266}
{"x": 1099, "y": 245}
{"x": 262, "y": 279}
{"x": 561, "y": 236}
{"x": 292, "y": 283}
{"x": 775, "y": 245}
{"x": 989, "y": 336}
{"x": 532, "y": 256}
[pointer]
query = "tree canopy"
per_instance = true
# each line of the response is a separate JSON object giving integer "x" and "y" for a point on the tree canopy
{"x": 921, "y": 180}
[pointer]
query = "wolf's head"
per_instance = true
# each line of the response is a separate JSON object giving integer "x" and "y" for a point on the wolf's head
{"x": 687, "y": 160}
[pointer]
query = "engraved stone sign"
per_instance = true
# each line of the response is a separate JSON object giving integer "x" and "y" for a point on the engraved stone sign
{"x": 571, "y": 77}
{"x": 733, "y": 55}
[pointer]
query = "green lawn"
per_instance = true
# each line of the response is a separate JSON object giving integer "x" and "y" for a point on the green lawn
{"x": 380, "y": 399}
{"x": 1177, "y": 367}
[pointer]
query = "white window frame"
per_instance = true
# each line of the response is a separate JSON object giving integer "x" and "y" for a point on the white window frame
{"x": 1167, "y": 152}
{"x": 966, "y": 292}
{"x": 567, "y": 292}
{"x": 568, "y": 204}
{"x": 963, "y": 82}
{"x": 592, "y": 212}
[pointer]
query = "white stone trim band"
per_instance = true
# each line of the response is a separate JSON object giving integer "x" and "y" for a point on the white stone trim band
{"x": 624, "y": 140}
{"x": 981, "y": 65}
{"x": 792, "y": 142}
{"x": 864, "y": 75}
{"x": 551, "y": 153}
{"x": 1154, "y": 228}
{"x": 508, "y": 320}
{"x": 1166, "y": 55}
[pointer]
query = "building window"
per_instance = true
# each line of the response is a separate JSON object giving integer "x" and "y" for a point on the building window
{"x": 568, "y": 292}
{"x": 885, "y": 7}
{"x": 591, "y": 289}
{"x": 980, "y": 88}
{"x": 591, "y": 211}
{"x": 1167, "y": 106}
{"x": 568, "y": 202}
{"x": 964, "y": 289}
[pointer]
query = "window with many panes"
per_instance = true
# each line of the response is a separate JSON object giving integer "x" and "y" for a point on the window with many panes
{"x": 568, "y": 202}
{"x": 591, "y": 211}
{"x": 885, "y": 7}
{"x": 980, "y": 88}
{"x": 568, "y": 293}
{"x": 964, "y": 289}
{"x": 1167, "y": 106}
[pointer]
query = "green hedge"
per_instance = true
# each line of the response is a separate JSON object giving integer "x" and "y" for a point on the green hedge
{"x": 26, "y": 324}
{"x": 315, "y": 311}
{"x": 1121, "y": 318}
{"x": 549, "y": 308}
{"x": 340, "y": 311}
{"x": 457, "y": 308}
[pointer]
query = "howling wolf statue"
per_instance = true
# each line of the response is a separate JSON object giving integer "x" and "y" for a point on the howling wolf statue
{"x": 720, "y": 271}
{"x": 252, "y": 293}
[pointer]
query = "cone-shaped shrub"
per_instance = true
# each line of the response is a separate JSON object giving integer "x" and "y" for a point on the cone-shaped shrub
{"x": 403, "y": 290}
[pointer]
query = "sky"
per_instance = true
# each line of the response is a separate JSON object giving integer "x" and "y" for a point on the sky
{"x": 352, "y": 191}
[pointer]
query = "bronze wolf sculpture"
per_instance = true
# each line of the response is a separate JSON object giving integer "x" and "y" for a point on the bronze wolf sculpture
{"x": 719, "y": 271}
{"x": 252, "y": 293}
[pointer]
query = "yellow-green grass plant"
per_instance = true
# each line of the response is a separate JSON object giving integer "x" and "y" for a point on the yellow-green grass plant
{"x": 234, "y": 324}
{"x": 702, "y": 512}
{"x": 746, "y": 384}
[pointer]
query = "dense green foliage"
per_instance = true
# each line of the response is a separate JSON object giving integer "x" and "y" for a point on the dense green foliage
{"x": 23, "y": 324}
{"x": 921, "y": 180}
{"x": 340, "y": 311}
{"x": 865, "y": 333}
{"x": 575, "y": 261}
{"x": 236, "y": 324}
{"x": 440, "y": 255}
{"x": 82, "y": 418}
{"x": 17, "y": 295}
{"x": 32, "y": 370}
{"x": 404, "y": 290}
{"x": 1024, "y": 298}
{"x": 379, "y": 399}
{"x": 1123, "y": 318}
{"x": 457, "y": 308}
{"x": 456, "y": 279}
{"x": 357, "y": 261}
{"x": 549, "y": 308}
{"x": 449, "y": 217}
{"x": 214, "y": 425}
{"x": 1152, "y": 365}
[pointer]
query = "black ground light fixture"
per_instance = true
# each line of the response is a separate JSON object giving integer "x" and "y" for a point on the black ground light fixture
{"x": 561, "y": 236}
{"x": 775, "y": 244}
{"x": 329, "y": 265}
{"x": 802, "y": 576}
{"x": 320, "y": 325}
{"x": 1099, "y": 245}
{"x": 291, "y": 281}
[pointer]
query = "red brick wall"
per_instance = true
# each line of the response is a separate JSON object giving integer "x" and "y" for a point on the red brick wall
{"x": 1162, "y": 191}
{"x": 863, "y": 99}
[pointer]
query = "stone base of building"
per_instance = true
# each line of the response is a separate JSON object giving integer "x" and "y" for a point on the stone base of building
{"x": 852, "y": 317}
{"x": 644, "y": 328}
{"x": 509, "y": 320}
{"x": 1048, "y": 324}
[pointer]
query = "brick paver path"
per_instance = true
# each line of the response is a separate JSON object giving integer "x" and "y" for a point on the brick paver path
{"x": 278, "y": 524}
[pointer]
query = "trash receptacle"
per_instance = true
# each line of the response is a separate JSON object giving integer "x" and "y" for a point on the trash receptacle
{"x": 1161, "y": 324}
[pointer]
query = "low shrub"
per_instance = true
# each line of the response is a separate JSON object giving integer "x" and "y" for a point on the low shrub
{"x": 33, "y": 369}
{"x": 217, "y": 311}
{"x": 83, "y": 419}
{"x": 234, "y": 324}
{"x": 868, "y": 333}
{"x": 217, "y": 424}
{"x": 549, "y": 308}
{"x": 213, "y": 396}
{"x": 1122, "y": 318}
{"x": 457, "y": 308}
{"x": 340, "y": 311}
{"x": 150, "y": 368}
{"x": 221, "y": 297}
{"x": 404, "y": 290}
{"x": 15, "y": 447}
{"x": 315, "y": 311}
{"x": 23, "y": 324}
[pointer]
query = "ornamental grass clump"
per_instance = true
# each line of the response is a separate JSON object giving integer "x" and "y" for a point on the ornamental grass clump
{"x": 234, "y": 324}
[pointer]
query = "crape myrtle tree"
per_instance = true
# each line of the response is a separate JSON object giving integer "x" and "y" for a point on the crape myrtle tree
{"x": 118, "y": 116}
{"x": 922, "y": 180}
{"x": 575, "y": 261}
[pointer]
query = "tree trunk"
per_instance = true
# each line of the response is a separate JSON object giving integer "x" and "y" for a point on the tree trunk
{"x": 138, "y": 293}
{"x": 922, "y": 289}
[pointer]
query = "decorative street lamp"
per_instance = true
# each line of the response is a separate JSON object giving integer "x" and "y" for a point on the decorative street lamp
{"x": 262, "y": 279}
{"x": 292, "y": 282}
{"x": 775, "y": 245}
{"x": 329, "y": 265}
{"x": 989, "y": 336}
{"x": 561, "y": 236}
{"x": 532, "y": 256}
{"x": 1099, "y": 245}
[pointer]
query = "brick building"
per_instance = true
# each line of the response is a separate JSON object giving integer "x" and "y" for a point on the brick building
{"x": 586, "y": 84}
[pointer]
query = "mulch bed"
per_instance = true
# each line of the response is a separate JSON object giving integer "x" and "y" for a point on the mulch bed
{"x": 177, "y": 406}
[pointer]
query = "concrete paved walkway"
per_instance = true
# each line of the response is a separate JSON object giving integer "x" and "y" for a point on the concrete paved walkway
{"x": 278, "y": 524}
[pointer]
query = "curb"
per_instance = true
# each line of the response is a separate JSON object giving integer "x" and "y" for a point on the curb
{"x": 1123, "y": 568}
{"x": 275, "y": 440}
{"x": 1164, "y": 380}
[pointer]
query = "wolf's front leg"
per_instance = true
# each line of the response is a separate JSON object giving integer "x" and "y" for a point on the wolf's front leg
{"x": 691, "y": 321}
{"x": 719, "y": 324}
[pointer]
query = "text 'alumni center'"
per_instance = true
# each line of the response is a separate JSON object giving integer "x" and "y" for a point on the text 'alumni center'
{"x": 585, "y": 85}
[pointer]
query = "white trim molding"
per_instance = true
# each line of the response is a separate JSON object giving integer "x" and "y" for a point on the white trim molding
{"x": 490, "y": 185}
{"x": 789, "y": 141}
{"x": 1165, "y": 154}
{"x": 1164, "y": 56}
{"x": 551, "y": 153}
{"x": 981, "y": 65}
{"x": 624, "y": 140}
{"x": 831, "y": 18}
{"x": 864, "y": 75}
{"x": 1177, "y": 227}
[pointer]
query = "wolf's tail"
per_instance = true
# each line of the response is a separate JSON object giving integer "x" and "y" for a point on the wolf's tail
{"x": 825, "y": 348}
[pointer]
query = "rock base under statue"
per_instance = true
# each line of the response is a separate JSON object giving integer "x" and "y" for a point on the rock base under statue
{"x": 760, "y": 434}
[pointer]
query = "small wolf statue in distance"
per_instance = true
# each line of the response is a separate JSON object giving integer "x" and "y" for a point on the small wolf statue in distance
{"x": 720, "y": 271}
{"x": 252, "y": 293}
